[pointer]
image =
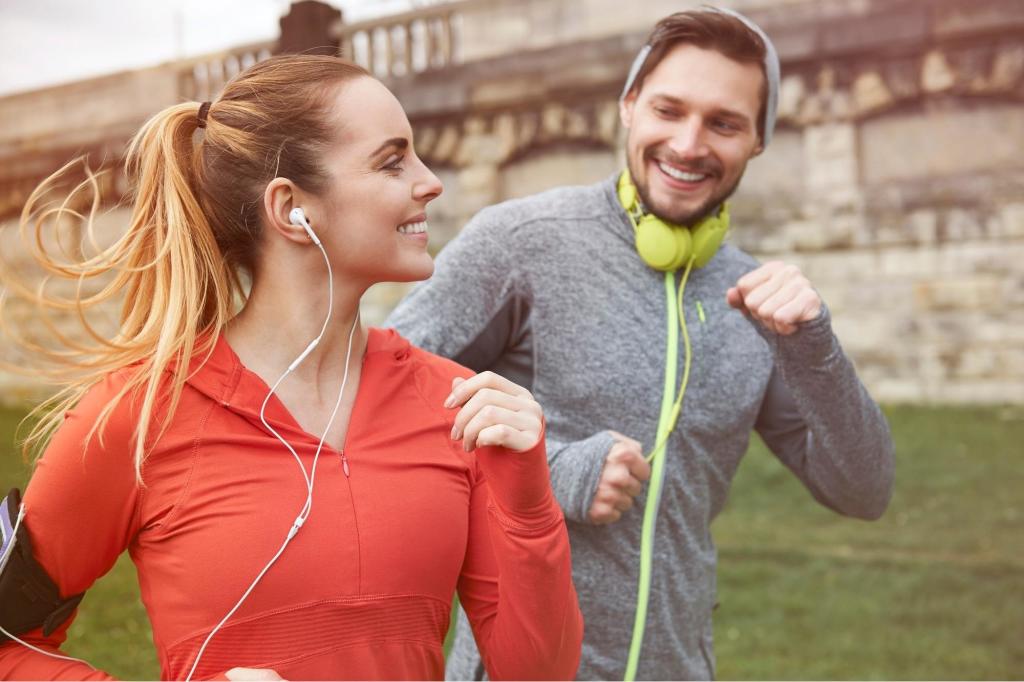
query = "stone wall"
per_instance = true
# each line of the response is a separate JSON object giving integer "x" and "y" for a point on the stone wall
{"x": 895, "y": 179}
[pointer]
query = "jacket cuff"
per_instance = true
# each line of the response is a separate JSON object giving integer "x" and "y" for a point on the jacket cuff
{"x": 575, "y": 472}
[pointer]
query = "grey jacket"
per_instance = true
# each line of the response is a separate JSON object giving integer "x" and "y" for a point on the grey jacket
{"x": 549, "y": 291}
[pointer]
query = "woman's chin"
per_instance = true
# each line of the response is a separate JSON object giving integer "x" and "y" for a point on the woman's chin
{"x": 411, "y": 272}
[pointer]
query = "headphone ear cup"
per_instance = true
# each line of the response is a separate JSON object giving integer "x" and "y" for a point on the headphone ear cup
{"x": 708, "y": 236}
{"x": 660, "y": 246}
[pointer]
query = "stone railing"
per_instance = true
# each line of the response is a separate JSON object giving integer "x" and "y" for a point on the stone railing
{"x": 424, "y": 39}
{"x": 200, "y": 79}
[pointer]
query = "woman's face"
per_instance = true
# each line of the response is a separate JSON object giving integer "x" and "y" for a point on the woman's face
{"x": 372, "y": 217}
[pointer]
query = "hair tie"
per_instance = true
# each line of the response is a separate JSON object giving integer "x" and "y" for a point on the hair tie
{"x": 204, "y": 110}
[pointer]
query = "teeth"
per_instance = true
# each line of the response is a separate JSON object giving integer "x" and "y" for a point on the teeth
{"x": 413, "y": 228}
{"x": 681, "y": 175}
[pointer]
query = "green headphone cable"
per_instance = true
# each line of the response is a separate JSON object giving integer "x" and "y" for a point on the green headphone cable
{"x": 670, "y": 410}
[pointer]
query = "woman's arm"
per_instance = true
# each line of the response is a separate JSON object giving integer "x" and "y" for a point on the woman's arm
{"x": 516, "y": 581}
{"x": 80, "y": 515}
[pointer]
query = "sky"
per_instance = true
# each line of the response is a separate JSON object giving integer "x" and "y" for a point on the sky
{"x": 45, "y": 42}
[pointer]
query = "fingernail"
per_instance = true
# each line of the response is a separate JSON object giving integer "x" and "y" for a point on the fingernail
{"x": 465, "y": 445}
{"x": 450, "y": 401}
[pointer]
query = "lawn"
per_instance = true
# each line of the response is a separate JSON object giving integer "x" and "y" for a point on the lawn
{"x": 934, "y": 590}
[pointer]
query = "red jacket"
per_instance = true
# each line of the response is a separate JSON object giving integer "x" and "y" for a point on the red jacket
{"x": 364, "y": 590}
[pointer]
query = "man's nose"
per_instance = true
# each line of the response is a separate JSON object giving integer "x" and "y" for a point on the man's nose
{"x": 688, "y": 139}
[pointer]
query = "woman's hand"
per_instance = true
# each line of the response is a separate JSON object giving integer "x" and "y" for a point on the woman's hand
{"x": 494, "y": 411}
{"x": 497, "y": 412}
{"x": 252, "y": 674}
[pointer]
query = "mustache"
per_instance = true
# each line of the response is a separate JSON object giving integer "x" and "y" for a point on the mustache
{"x": 705, "y": 165}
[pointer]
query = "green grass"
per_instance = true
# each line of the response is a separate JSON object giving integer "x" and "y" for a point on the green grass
{"x": 934, "y": 590}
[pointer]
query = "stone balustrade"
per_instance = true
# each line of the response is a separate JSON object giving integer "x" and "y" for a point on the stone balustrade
{"x": 202, "y": 78}
{"x": 894, "y": 181}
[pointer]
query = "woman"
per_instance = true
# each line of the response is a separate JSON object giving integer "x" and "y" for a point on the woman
{"x": 344, "y": 486}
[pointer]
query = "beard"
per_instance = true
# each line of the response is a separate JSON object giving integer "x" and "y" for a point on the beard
{"x": 681, "y": 216}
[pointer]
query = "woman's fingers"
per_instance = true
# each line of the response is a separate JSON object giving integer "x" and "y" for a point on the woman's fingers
{"x": 483, "y": 398}
{"x": 495, "y": 411}
{"x": 465, "y": 389}
{"x": 494, "y": 425}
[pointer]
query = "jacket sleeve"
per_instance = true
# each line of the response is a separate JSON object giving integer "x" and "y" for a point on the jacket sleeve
{"x": 819, "y": 420}
{"x": 475, "y": 310}
{"x": 516, "y": 581}
{"x": 80, "y": 515}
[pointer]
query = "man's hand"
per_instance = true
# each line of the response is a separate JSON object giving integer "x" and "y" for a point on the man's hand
{"x": 625, "y": 470}
{"x": 777, "y": 295}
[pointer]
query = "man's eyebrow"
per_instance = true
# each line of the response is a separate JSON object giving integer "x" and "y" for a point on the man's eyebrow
{"x": 397, "y": 142}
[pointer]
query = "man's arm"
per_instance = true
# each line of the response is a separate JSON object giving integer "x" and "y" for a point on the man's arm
{"x": 816, "y": 416}
{"x": 475, "y": 310}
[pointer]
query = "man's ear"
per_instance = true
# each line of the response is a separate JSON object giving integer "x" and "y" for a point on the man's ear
{"x": 758, "y": 149}
{"x": 279, "y": 198}
{"x": 627, "y": 105}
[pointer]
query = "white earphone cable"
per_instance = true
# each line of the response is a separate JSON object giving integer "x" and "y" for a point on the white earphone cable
{"x": 310, "y": 478}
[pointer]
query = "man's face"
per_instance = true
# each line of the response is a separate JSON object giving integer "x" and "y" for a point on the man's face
{"x": 692, "y": 129}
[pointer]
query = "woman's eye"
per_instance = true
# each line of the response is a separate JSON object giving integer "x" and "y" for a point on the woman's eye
{"x": 395, "y": 165}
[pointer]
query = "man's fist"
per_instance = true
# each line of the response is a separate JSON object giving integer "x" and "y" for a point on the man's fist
{"x": 625, "y": 470}
{"x": 777, "y": 295}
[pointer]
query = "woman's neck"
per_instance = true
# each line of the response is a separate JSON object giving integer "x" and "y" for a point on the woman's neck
{"x": 279, "y": 322}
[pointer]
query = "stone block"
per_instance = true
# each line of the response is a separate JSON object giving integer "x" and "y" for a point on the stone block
{"x": 966, "y": 293}
{"x": 977, "y": 362}
{"x": 830, "y": 156}
{"x": 955, "y": 151}
{"x": 910, "y": 263}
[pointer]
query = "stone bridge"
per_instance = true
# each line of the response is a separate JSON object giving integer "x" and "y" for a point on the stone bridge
{"x": 895, "y": 179}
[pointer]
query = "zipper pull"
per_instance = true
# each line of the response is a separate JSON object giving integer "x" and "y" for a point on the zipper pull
{"x": 344, "y": 463}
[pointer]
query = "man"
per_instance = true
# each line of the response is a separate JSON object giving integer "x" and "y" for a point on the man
{"x": 551, "y": 292}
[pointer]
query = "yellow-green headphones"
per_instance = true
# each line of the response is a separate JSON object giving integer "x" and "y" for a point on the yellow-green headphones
{"x": 668, "y": 247}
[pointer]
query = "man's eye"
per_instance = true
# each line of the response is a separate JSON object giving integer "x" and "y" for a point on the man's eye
{"x": 664, "y": 111}
{"x": 725, "y": 126}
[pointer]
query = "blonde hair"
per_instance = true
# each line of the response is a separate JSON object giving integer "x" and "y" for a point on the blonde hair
{"x": 195, "y": 224}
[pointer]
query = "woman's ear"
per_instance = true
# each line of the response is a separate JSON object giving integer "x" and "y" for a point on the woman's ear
{"x": 279, "y": 198}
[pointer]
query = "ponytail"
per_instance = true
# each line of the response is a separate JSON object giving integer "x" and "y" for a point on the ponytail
{"x": 194, "y": 231}
{"x": 177, "y": 292}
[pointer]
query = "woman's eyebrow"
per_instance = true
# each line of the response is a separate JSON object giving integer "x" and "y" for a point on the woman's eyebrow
{"x": 399, "y": 143}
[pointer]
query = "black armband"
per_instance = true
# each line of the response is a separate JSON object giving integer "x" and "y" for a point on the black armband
{"x": 29, "y": 598}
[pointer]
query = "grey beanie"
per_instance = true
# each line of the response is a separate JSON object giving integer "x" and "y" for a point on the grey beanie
{"x": 771, "y": 69}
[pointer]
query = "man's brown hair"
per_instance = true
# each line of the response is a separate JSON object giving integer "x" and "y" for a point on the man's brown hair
{"x": 709, "y": 30}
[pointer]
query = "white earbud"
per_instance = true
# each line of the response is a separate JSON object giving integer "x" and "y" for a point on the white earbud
{"x": 297, "y": 217}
